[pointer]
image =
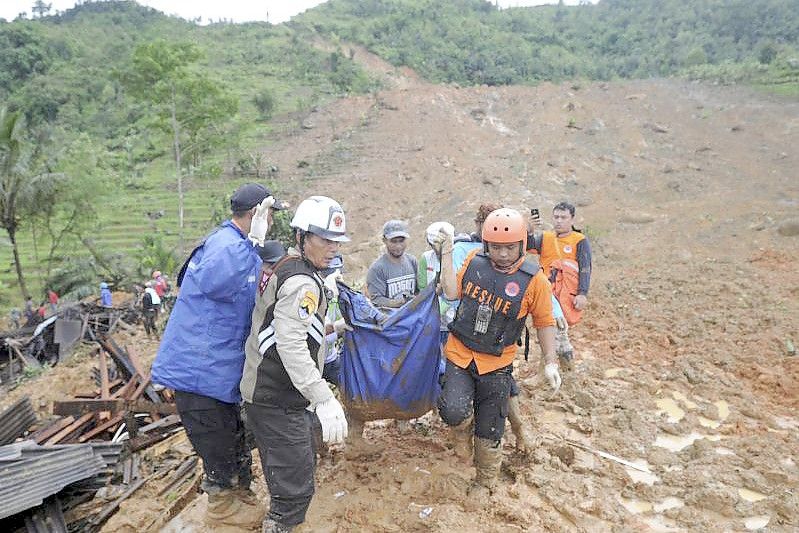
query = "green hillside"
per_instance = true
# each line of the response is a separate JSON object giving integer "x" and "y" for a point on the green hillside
{"x": 473, "y": 42}
{"x": 88, "y": 95}
{"x": 67, "y": 76}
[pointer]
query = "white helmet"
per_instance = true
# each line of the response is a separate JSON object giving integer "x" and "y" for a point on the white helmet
{"x": 321, "y": 216}
{"x": 433, "y": 229}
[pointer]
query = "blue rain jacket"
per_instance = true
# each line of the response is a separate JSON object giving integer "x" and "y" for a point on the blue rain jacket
{"x": 389, "y": 365}
{"x": 202, "y": 350}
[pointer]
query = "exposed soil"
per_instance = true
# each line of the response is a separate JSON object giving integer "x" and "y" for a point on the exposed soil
{"x": 681, "y": 188}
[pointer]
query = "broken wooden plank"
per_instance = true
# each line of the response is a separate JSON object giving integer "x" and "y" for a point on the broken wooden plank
{"x": 125, "y": 390}
{"x": 105, "y": 389}
{"x": 111, "y": 508}
{"x": 183, "y": 471}
{"x": 168, "y": 421}
{"x": 77, "y": 424}
{"x": 46, "y": 432}
{"x": 108, "y": 424}
{"x": 78, "y": 407}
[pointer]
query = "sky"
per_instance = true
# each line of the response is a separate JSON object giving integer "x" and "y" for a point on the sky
{"x": 237, "y": 10}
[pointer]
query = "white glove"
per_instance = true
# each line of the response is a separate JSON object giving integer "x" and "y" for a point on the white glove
{"x": 330, "y": 283}
{"x": 340, "y": 326}
{"x": 334, "y": 423}
{"x": 552, "y": 373}
{"x": 443, "y": 242}
{"x": 260, "y": 221}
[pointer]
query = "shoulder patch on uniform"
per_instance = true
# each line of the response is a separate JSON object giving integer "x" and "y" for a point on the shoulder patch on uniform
{"x": 308, "y": 305}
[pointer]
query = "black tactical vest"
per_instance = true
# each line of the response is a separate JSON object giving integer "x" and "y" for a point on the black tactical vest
{"x": 503, "y": 293}
{"x": 273, "y": 385}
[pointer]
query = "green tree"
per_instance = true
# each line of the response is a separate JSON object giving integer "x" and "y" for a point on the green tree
{"x": 23, "y": 179}
{"x": 40, "y": 8}
{"x": 67, "y": 207}
{"x": 188, "y": 104}
{"x": 265, "y": 103}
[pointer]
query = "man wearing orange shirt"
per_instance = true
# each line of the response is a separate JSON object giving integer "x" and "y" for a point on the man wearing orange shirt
{"x": 498, "y": 288}
{"x": 567, "y": 244}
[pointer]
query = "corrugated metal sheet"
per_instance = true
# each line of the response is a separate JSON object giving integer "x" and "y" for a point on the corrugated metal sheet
{"x": 41, "y": 471}
{"x": 15, "y": 420}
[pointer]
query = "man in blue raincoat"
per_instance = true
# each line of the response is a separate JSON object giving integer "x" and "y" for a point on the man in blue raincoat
{"x": 201, "y": 355}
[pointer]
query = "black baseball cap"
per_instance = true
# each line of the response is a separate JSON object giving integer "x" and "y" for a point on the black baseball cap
{"x": 271, "y": 251}
{"x": 249, "y": 195}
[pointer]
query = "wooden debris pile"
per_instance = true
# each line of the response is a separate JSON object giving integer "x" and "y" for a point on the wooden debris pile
{"x": 50, "y": 340}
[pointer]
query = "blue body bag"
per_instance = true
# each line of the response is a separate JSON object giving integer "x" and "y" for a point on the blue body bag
{"x": 389, "y": 364}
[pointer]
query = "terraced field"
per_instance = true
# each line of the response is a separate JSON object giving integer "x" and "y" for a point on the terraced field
{"x": 123, "y": 223}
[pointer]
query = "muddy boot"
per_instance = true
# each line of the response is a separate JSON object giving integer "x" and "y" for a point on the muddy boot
{"x": 356, "y": 446}
{"x": 230, "y": 508}
{"x": 271, "y": 526}
{"x": 487, "y": 460}
{"x": 524, "y": 443}
{"x": 563, "y": 346}
{"x": 461, "y": 437}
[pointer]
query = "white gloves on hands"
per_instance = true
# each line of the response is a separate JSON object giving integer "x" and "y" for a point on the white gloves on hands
{"x": 330, "y": 283}
{"x": 334, "y": 423}
{"x": 260, "y": 221}
{"x": 552, "y": 373}
{"x": 443, "y": 242}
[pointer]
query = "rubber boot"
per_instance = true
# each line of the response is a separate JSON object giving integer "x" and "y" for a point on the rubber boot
{"x": 523, "y": 442}
{"x": 233, "y": 508}
{"x": 461, "y": 437}
{"x": 563, "y": 346}
{"x": 271, "y": 526}
{"x": 487, "y": 460}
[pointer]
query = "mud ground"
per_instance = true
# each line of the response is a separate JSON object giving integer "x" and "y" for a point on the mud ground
{"x": 688, "y": 193}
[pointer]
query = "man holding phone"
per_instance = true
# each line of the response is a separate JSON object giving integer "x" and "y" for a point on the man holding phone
{"x": 566, "y": 244}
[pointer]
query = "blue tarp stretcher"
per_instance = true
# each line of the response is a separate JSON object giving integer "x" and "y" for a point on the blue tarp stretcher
{"x": 389, "y": 364}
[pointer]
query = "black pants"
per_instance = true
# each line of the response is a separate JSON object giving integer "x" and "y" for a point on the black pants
{"x": 216, "y": 432}
{"x": 148, "y": 317}
{"x": 331, "y": 370}
{"x": 287, "y": 457}
{"x": 466, "y": 392}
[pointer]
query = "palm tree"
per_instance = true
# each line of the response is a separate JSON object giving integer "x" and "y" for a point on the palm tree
{"x": 20, "y": 182}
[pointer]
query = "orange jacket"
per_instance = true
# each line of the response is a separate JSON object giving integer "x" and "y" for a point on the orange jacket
{"x": 537, "y": 303}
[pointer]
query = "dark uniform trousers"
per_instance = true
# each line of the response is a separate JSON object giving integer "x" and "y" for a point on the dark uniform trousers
{"x": 285, "y": 444}
{"x": 465, "y": 391}
{"x": 216, "y": 431}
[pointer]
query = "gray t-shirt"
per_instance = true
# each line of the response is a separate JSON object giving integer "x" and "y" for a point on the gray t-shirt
{"x": 391, "y": 284}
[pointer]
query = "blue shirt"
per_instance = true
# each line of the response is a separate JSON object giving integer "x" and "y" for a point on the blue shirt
{"x": 202, "y": 350}
{"x": 105, "y": 297}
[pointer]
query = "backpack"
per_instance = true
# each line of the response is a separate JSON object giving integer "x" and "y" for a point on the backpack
{"x": 565, "y": 278}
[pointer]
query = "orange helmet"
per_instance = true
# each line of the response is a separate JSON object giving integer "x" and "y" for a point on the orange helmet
{"x": 505, "y": 226}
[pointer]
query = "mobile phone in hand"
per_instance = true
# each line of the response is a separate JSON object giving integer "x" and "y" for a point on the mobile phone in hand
{"x": 534, "y": 212}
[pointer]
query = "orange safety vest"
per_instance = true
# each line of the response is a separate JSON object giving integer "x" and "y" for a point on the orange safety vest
{"x": 559, "y": 261}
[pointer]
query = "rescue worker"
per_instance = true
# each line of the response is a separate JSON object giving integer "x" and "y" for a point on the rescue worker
{"x": 565, "y": 243}
{"x": 460, "y": 251}
{"x": 498, "y": 287}
{"x": 202, "y": 354}
{"x": 282, "y": 381}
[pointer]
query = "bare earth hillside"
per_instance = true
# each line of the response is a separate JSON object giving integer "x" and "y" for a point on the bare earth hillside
{"x": 687, "y": 192}
{"x": 683, "y": 364}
